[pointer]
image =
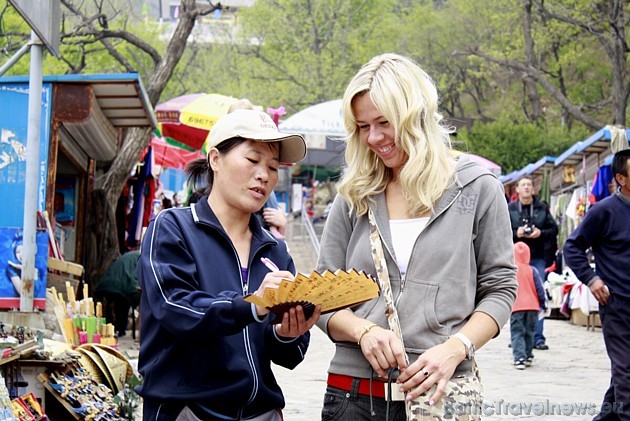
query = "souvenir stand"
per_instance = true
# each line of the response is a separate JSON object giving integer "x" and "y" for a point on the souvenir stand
{"x": 63, "y": 341}
{"x": 576, "y": 179}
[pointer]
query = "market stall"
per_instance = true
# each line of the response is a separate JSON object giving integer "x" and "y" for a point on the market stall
{"x": 83, "y": 118}
{"x": 570, "y": 184}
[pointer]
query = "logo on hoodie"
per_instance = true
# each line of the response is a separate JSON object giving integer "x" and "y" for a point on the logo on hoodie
{"x": 466, "y": 203}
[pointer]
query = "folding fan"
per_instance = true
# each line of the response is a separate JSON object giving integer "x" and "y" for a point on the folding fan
{"x": 332, "y": 290}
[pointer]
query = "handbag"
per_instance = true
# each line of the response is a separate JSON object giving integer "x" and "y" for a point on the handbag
{"x": 463, "y": 396}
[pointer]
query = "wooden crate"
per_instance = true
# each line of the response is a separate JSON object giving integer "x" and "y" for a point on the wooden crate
{"x": 60, "y": 272}
{"x": 592, "y": 321}
{"x": 59, "y": 282}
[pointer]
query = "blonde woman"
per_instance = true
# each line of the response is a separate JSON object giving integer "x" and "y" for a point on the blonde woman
{"x": 445, "y": 233}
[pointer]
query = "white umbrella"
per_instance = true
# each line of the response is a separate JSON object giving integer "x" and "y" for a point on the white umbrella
{"x": 321, "y": 119}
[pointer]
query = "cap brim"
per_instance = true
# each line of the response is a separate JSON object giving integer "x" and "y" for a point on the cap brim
{"x": 292, "y": 146}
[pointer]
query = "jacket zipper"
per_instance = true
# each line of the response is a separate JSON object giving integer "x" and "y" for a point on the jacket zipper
{"x": 403, "y": 279}
{"x": 248, "y": 349}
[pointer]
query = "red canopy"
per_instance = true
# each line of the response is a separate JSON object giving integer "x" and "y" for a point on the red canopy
{"x": 170, "y": 156}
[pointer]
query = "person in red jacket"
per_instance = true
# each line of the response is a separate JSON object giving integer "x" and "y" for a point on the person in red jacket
{"x": 530, "y": 299}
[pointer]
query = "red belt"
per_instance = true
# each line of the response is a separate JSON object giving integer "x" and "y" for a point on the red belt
{"x": 345, "y": 383}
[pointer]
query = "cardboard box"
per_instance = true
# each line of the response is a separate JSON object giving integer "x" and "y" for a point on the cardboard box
{"x": 580, "y": 319}
{"x": 28, "y": 375}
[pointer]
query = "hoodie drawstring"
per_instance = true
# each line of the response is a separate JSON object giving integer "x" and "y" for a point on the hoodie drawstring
{"x": 390, "y": 379}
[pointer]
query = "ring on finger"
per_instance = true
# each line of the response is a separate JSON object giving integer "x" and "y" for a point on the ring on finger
{"x": 426, "y": 373}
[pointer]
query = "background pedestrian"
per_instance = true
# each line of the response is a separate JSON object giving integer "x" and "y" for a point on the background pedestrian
{"x": 533, "y": 224}
{"x": 606, "y": 229}
{"x": 530, "y": 299}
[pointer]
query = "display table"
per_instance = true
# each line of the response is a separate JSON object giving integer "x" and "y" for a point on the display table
{"x": 57, "y": 408}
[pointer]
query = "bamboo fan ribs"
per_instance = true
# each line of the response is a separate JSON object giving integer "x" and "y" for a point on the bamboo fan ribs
{"x": 332, "y": 290}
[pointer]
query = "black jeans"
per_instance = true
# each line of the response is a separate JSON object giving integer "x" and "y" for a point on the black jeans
{"x": 341, "y": 405}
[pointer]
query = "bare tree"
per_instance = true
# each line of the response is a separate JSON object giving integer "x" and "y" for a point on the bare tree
{"x": 94, "y": 29}
{"x": 532, "y": 107}
{"x": 606, "y": 23}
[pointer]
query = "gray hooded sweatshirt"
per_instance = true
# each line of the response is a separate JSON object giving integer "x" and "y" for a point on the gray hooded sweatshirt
{"x": 462, "y": 262}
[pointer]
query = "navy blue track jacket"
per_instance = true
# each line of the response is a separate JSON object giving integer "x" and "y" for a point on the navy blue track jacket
{"x": 200, "y": 340}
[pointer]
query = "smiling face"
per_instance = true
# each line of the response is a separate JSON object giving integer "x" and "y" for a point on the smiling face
{"x": 377, "y": 133}
{"x": 245, "y": 176}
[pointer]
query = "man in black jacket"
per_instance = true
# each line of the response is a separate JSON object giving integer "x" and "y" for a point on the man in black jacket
{"x": 533, "y": 224}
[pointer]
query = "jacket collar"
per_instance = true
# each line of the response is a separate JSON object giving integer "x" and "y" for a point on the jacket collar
{"x": 466, "y": 172}
{"x": 203, "y": 214}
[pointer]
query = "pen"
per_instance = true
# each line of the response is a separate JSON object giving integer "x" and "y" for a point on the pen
{"x": 270, "y": 265}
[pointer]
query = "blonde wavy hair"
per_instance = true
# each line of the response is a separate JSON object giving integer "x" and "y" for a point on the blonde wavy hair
{"x": 407, "y": 97}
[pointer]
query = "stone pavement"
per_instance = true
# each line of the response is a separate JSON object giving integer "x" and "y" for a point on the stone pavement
{"x": 575, "y": 369}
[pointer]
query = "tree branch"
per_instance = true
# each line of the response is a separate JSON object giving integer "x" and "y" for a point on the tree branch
{"x": 132, "y": 39}
{"x": 547, "y": 85}
{"x": 87, "y": 28}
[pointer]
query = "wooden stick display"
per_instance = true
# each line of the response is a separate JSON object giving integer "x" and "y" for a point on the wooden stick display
{"x": 82, "y": 321}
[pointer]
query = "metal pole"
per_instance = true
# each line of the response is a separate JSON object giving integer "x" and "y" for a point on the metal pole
{"x": 31, "y": 195}
{"x": 10, "y": 62}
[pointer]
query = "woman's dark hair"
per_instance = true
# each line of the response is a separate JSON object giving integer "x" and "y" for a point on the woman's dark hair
{"x": 619, "y": 162}
{"x": 200, "y": 176}
{"x": 195, "y": 196}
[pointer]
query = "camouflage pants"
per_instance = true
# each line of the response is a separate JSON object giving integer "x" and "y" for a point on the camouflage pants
{"x": 461, "y": 402}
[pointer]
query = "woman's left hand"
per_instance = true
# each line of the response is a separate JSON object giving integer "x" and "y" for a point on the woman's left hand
{"x": 435, "y": 366}
{"x": 294, "y": 323}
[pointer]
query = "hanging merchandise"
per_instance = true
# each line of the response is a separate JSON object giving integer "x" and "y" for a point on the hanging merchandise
{"x": 618, "y": 138}
{"x": 601, "y": 185}
{"x": 565, "y": 224}
{"x": 545, "y": 193}
{"x": 143, "y": 188}
{"x": 568, "y": 174}
{"x": 576, "y": 209}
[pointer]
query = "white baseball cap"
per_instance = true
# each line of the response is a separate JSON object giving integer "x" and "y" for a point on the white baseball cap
{"x": 257, "y": 126}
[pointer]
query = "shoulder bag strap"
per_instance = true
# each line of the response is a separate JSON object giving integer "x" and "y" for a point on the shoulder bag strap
{"x": 383, "y": 277}
{"x": 390, "y": 309}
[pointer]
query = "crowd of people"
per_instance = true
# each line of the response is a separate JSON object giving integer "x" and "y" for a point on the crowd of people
{"x": 453, "y": 262}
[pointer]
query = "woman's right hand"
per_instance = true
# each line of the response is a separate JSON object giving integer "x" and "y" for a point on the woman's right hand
{"x": 271, "y": 280}
{"x": 383, "y": 350}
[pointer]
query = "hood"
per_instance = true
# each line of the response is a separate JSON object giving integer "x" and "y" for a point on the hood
{"x": 521, "y": 253}
{"x": 468, "y": 170}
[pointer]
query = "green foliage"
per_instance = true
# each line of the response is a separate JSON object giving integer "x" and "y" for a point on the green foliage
{"x": 513, "y": 144}
{"x": 305, "y": 52}
{"x": 82, "y": 53}
{"x": 127, "y": 399}
{"x": 298, "y": 53}
{"x": 14, "y": 32}
{"x": 286, "y": 52}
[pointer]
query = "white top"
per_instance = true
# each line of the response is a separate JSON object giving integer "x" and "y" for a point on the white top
{"x": 404, "y": 235}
